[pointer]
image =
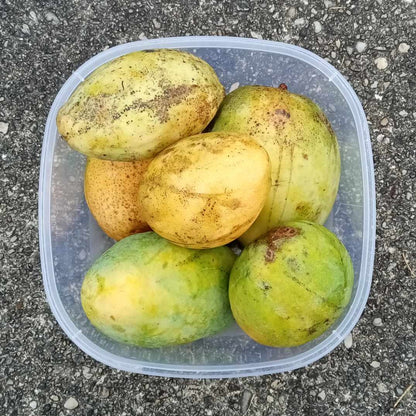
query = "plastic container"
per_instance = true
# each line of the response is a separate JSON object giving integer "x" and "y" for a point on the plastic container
{"x": 70, "y": 240}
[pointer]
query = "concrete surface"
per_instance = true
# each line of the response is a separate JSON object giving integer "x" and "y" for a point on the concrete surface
{"x": 372, "y": 44}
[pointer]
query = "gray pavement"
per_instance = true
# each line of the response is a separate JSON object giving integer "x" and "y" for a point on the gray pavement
{"x": 372, "y": 43}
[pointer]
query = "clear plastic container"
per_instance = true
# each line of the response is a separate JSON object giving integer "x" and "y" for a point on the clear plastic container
{"x": 70, "y": 239}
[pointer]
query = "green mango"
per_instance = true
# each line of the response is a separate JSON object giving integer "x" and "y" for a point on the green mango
{"x": 302, "y": 147}
{"x": 291, "y": 285}
{"x": 149, "y": 292}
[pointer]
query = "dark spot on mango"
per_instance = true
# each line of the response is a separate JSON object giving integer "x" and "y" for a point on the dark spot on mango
{"x": 282, "y": 233}
{"x": 265, "y": 285}
{"x": 293, "y": 264}
{"x": 314, "y": 328}
{"x": 118, "y": 328}
{"x": 320, "y": 116}
{"x": 280, "y": 117}
{"x": 284, "y": 113}
{"x": 160, "y": 104}
{"x": 275, "y": 238}
{"x": 100, "y": 283}
{"x": 304, "y": 209}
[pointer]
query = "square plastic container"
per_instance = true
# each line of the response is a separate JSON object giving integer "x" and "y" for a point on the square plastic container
{"x": 70, "y": 239}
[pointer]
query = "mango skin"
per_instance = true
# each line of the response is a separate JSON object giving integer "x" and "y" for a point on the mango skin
{"x": 111, "y": 190}
{"x": 136, "y": 105}
{"x": 291, "y": 285}
{"x": 206, "y": 190}
{"x": 303, "y": 151}
{"x": 148, "y": 292}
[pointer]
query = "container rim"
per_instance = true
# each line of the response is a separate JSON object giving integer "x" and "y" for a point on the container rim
{"x": 200, "y": 371}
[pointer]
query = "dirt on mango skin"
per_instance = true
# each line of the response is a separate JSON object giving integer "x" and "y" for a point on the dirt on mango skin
{"x": 291, "y": 285}
{"x": 148, "y": 292}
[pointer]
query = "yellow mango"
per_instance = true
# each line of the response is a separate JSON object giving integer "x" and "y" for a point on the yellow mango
{"x": 111, "y": 190}
{"x": 136, "y": 105}
{"x": 206, "y": 190}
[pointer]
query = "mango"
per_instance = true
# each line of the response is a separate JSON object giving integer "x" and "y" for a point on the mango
{"x": 148, "y": 292}
{"x": 134, "y": 106}
{"x": 291, "y": 285}
{"x": 303, "y": 151}
{"x": 206, "y": 190}
{"x": 111, "y": 190}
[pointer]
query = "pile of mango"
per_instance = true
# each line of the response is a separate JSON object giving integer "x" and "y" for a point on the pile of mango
{"x": 177, "y": 171}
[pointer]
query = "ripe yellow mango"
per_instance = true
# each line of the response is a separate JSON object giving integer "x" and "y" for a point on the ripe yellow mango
{"x": 111, "y": 190}
{"x": 206, "y": 190}
{"x": 136, "y": 105}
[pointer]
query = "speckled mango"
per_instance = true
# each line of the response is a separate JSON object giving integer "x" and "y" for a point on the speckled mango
{"x": 148, "y": 292}
{"x": 136, "y": 105}
{"x": 303, "y": 151}
{"x": 291, "y": 285}
{"x": 111, "y": 190}
{"x": 206, "y": 190}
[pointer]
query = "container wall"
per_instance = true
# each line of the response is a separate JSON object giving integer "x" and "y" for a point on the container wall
{"x": 77, "y": 241}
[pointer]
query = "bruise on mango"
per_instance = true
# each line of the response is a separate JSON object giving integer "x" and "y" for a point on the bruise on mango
{"x": 275, "y": 238}
{"x": 280, "y": 117}
{"x": 316, "y": 327}
{"x": 306, "y": 210}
